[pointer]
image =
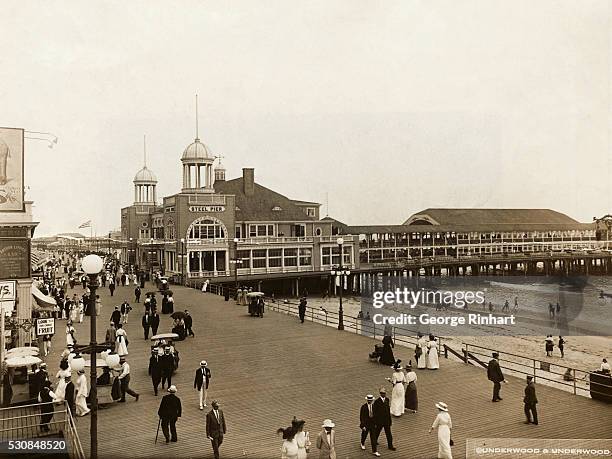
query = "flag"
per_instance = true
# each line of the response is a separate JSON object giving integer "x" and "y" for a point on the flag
{"x": 87, "y": 224}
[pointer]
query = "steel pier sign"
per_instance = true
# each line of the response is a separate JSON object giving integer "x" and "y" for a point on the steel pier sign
{"x": 206, "y": 208}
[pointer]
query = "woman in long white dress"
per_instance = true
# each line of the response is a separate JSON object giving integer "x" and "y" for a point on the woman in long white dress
{"x": 444, "y": 425}
{"x": 398, "y": 394}
{"x": 432, "y": 353}
{"x": 301, "y": 438}
{"x": 289, "y": 448}
{"x": 60, "y": 389}
{"x": 422, "y": 344}
{"x": 121, "y": 341}
{"x": 70, "y": 334}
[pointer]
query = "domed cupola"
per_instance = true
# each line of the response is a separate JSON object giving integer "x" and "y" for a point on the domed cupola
{"x": 145, "y": 183}
{"x": 197, "y": 165}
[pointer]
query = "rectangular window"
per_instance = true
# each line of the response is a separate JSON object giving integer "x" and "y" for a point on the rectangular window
{"x": 290, "y": 257}
{"x": 305, "y": 257}
{"x": 311, "y": 211}
{"x": 275, "y": 258}
{"x": 300, "y": 230}
{"x": 259, "y": 258}
{"x": 245, "y": 256}
{"x": 238, "y": 232}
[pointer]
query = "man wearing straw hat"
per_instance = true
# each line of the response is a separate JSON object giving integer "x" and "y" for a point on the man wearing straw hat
{"x": 326, "y": 441}
{"x": 169, "y": 411}
{"x": 202, "y": 378}
{"x": 366, "y": 422}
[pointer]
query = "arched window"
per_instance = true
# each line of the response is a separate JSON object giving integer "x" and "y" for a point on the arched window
{"x": 207, "y": 228}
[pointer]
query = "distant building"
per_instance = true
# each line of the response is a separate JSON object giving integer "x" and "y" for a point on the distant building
{"x": 200, "y": 232}
{"x": 475, "y": 232}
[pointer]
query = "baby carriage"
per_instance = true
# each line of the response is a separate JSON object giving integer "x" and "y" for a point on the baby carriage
{"x": 378, "y": 349}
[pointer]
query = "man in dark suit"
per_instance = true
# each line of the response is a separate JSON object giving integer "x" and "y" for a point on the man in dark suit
{"x": 215, "y": 427}
{"x": 202, "y": 378}
{"x": 188, "y": 323}
{"x": 146, "y": 324}
{"x": 70, "y": 395}
{"x": 530, "y": 402}
{"x": 166, "y": 362}
{"x": 494, "y": 373}
{"x": 366, "y": 422}
{"x": 154, "y": 322}
{"x": 169, "y": 412}
{"x": 382, "y": 418}
{"x": 155, "y": 369}
{"x": 116, "y": 316}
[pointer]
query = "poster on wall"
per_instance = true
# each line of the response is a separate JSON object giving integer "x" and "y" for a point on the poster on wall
{"x": 11, "y": 170}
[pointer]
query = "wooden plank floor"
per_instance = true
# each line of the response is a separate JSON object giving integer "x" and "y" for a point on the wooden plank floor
{"x": 267, "y": 370}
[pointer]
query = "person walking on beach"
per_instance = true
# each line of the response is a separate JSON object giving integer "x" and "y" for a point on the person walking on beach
{"x": 506, "y": 307}
{"x": 495, "y": 375}
{"x": 215, "y": 427}
{"x": 382, "y": 417}
{"x": 561, "y": 345}
{"x": 550, "y": 345}
{"x": 530, "y": 400}
{"x": 444, "y": 425}
{"x": 202, "y": 378}
{"x": 169, "y": 411}
{"x": 367, "y": 424}
{"x": 326, "y": 440}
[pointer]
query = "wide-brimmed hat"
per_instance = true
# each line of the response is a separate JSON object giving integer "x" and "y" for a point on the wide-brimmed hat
{"x": 328, "y": 423}
{"x": 203, "y": 363}
{"x": 495, "y": 355}
{"x": 396, "y": 366}
{"x": 442, "y": 406}
{"x": 172, "y": 389}
{"x": 369, "y": 397}
{"x": 297, "y": 423}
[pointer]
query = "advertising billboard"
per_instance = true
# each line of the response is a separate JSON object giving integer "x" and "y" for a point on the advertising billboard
{"x": 11, "y": 170}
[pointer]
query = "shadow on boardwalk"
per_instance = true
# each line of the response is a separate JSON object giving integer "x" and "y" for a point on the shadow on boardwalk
{"x": 267, "y": 370}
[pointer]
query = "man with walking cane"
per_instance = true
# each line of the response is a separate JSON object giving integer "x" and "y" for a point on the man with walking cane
{"x": 169, "y": 412}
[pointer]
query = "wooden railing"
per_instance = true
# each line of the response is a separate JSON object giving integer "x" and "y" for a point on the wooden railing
{"x": 564, "y": 377}
{"x": 23, "y": 423}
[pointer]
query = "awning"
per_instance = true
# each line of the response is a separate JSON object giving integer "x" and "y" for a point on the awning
{"x": 43, "y": 302}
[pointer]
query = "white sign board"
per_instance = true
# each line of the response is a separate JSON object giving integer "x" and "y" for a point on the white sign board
{"x": 8, "y": 291}
{"x": 45, "y": 326}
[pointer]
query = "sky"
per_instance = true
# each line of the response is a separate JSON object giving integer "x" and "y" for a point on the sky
{"x": 375, "y": 109}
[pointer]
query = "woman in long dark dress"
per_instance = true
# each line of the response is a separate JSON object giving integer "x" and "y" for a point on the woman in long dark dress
{"x": 412, "y": 399}
{"x": 387, "y": 357}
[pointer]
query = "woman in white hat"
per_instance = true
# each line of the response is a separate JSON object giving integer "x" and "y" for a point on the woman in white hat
{"x": 398, "y": 395}
{"x": 444, "y": 424}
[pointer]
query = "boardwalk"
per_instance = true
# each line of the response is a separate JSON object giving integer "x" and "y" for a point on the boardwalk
{"x": 267, "y": 370}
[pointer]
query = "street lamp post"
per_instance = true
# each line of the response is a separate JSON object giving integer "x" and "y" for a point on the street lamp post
{"x": 92, "y": 265}
{"x": 340, "y": 272}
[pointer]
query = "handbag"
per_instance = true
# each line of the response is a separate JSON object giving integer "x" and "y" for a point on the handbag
{"x": 116, "y": 389}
